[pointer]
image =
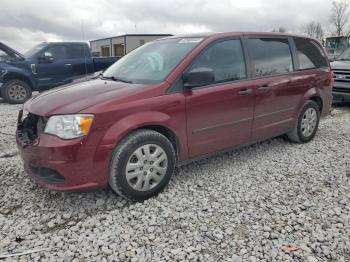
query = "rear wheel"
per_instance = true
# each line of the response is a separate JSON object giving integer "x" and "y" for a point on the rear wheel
{"x": 16, "y": 92}
{"x": 142, "y": 165}
{"x": 307, "y": 124}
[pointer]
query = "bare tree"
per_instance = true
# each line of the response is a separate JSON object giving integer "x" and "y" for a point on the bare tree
{"x": 315, "y": 30}
{"x": 339, "y": 15}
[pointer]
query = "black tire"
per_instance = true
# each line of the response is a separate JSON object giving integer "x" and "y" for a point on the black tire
{"x": 123, "y": 153}
{"x": 2, "y": 92}
{"x": 13, "y": 97}
{"x": 296, "y": 135}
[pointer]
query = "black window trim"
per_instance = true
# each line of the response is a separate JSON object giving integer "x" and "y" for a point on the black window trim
{"x": 288, "y": 38}
{"x": 295, "y": 50}
{"x": 245, "y": 57}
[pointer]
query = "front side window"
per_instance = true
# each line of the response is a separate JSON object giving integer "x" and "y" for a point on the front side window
{"x": 152, "y": 62}
{"x": 271, "y": 56}
{"x": 226, "y": 59}
{"x": 58, "y": 52}
{"x": 309, "y": 54}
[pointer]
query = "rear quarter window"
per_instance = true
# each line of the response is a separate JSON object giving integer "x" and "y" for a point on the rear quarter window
{"x": 309, "y": 54}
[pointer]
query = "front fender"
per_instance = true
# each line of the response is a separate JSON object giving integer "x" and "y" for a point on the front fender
{"x": 18, "y": 73}
{"x": 131, "y": 122}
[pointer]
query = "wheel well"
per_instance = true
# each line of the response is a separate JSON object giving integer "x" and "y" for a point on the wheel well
{"x": 318, "y": 101}
{"x": 10, "y": 77}
{"x": 168, "y": 134}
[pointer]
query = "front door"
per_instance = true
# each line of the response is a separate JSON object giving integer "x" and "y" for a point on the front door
{"x": 55, "y": 72}
{"x": 220, "y": 115}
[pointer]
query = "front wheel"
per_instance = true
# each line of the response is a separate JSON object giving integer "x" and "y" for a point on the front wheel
{"x": 142, "y": 165}
{"x": 307, "y": 124}
{"x": 16, "y": 92}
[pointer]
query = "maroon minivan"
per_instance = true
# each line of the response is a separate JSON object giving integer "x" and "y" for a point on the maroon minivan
{"x": 172, "y": 101}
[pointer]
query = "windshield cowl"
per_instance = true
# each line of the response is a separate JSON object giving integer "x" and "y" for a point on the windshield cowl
{"x": 116, "y": 79}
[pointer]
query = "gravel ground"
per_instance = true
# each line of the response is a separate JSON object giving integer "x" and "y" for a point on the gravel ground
{"x": 273, "y": 201}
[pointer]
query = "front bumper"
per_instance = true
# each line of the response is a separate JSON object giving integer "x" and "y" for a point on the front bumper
{"x": 341, "y": 92}
{"x": 62, "y": 165}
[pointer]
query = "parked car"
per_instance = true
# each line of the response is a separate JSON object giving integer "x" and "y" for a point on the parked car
{"x": 173, "y": 101}
{"x": 45, "y": 66}
{"x": 341, "y": 69}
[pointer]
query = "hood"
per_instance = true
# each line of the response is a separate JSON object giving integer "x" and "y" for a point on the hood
{"x": 340, "y": 65}
{"x": 10, "y": 52}
{"x": 75, "y": 98}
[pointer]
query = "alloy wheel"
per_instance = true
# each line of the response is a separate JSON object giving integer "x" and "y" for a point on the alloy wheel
{"x": 17, "y": 92}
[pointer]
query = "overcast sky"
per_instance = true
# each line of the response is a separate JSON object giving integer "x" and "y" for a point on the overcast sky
{"x": 24, "y": 23}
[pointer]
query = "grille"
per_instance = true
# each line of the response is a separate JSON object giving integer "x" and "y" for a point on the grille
{"x": 342, "y": 75}
{"x": 47, "y": 174}
{"x": 341, "y": 89}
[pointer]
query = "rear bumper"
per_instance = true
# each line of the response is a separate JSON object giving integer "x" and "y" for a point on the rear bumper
{"x": 341, "y": 97}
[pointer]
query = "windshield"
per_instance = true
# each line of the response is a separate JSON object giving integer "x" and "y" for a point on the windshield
{"x": 336, "y": 43}
{"x": 34, "y": 50}
{"x": 345, "y": 55}
{"x": 152, "y": 62}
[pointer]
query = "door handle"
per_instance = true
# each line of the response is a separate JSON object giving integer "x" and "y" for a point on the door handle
{"x": 245, "y": 92}
{"x": 264, "y": 88}
{"x": 68, "y": 64}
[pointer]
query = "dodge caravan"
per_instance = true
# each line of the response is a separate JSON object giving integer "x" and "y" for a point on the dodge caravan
{"x": 172, "y": 101}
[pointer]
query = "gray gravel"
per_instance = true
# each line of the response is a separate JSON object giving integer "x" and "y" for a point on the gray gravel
{"x": 273, "y": 201}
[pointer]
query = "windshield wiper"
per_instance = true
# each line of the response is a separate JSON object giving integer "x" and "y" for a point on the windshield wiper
{"x": 343, "y": 59}
{"x": 115, "y": 79}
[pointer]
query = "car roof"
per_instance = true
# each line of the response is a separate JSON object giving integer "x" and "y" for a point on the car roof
{"x": 228, "y": 34}
{"x": 65, "y": 43}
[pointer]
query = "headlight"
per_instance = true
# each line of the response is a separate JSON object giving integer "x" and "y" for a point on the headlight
{"x": 69, "y": 126}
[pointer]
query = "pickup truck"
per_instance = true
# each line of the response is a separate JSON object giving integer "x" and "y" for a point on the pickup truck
{"x": 45, "y": 66}
{"x": 341, "y": 69}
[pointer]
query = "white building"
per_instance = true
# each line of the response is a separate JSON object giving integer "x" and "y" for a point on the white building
{"x": 121, "y": 45}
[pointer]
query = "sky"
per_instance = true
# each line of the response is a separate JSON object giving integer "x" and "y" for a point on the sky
{"x": 25, "y": 23}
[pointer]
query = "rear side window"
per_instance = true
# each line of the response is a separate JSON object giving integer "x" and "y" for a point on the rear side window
{"x": 309, "y": 54}
{"x": 226, "y": 59}
{"x": 271, "y": 56}
{"x": 75, "y": 51}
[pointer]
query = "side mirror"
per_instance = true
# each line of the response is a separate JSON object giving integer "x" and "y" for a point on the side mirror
{"x": 46, "y": 57}
{"x": 198, "y": 77}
